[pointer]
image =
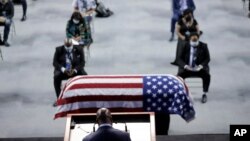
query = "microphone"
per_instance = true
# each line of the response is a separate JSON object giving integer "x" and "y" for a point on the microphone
{"x": 79, "y": 127}
{"x": 94, "y": 127}
{"x": 72, "y": 125}
{"x": 126, "y": 127}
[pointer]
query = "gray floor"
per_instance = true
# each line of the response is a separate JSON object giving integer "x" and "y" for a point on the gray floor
{"x": 132, "y": 41}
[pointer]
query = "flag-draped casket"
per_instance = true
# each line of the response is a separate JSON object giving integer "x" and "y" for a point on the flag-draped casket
{"x": 126, "y": 93}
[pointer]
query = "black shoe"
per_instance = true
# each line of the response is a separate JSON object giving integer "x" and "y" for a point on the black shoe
{"x": 54, "y": 104}
{"x": 6, "y": 44}
{"x": 23, "y": 19}
{"x": 174, "y": 63}
{"x": 1, "y": 42}
{"x": 204, "y": 98}
{"x": 171, "y": 38}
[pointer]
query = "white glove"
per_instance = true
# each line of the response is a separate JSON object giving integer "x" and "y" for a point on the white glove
{"x": 187, "y": 67}
{"x": 63, "y": 69}
{"x": 75, "y": 71}
{"x": 198, "y": 68}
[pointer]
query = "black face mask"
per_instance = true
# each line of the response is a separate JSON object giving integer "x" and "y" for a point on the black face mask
{"x": 188, "y": 18}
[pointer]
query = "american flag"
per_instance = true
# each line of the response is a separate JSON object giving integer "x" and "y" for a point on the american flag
{"x": 123, "y": 93}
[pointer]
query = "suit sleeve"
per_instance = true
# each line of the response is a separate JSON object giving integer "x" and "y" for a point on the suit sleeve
{"x": 81, "y": 64}
{"x": 11, "y": 14}
{"x": 56, "y": 63}
{"x": 68, "y": 32}
{"x": 207, "y": 55}
{"x": 180, "y": 57}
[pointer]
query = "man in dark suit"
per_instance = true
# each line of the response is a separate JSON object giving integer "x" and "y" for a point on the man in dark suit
{"x": 193, "y": 61}
{"x": 68, "y": 62}
{"x": 105, "y": 131}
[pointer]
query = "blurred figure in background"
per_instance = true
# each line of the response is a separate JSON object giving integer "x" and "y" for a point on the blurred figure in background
{"x": 246, "y": 8}
{"x": 79, "y": 30}
{"x": 68, "y": 62}
{"x": 24, "y": 5}
{"x": 86, "y": 8}
{"x": 178, "y": 6}
{"x": 101, "y": 10}
{"x": 193, "y": 60}
{"x": 186, "y": 25}
{"x": 6, "y": 15}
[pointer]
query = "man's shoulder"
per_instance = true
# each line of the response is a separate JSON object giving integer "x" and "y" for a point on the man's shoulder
{"x": 117, "y": 131}
{"x": 203, "y": 44}
{"x": 59, "y": 47}
{"x": 77, "y": 48}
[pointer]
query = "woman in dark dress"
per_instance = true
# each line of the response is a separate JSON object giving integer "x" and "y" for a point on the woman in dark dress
{"x": 186, "y": 25}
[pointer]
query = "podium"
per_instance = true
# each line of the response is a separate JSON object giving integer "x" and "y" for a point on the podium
{"x": 140, "y": 125}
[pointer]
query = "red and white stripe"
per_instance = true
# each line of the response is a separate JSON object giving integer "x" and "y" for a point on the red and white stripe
{"x": 84, "y": 93}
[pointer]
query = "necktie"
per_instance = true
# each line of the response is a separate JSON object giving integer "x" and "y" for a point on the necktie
{"x": 194, "y": 57}
{"x": 68, "y": 60}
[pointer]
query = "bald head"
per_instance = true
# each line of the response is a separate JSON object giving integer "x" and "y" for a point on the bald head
{"x": 103, "y": 116}
{"x": 68, "y": 42}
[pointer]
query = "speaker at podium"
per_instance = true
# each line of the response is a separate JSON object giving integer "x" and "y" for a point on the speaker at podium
{"x": 140, "y": 125}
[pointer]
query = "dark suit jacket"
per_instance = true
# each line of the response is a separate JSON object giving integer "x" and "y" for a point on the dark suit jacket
{"x": 107, "y": 133}
{"x": 59, "y": 60}
{"x": 203, "y": 57}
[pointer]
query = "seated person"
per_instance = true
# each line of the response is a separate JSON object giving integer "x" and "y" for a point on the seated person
{"x": 101, "y": 10}
{"x": 68, "y": 62}
{"x": 78, "y": 30}
{"x": 6, "y": 15}
{"x": 105, "y": 131}
{"x": 193, "y": 59}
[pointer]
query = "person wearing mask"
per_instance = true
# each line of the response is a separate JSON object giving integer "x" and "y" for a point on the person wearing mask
{"x": 78, "y": 30}
{"x": 193, "y": 60}
{"x": 24, "y": 5}
{"x": 6, "y": 15}
{"x": 68, "y": 62}
{"x": 106, "y": 132}
{"x": 186, "y": 25}
{"x": 86, "y": 8}
{"x": 178, "y": 7}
